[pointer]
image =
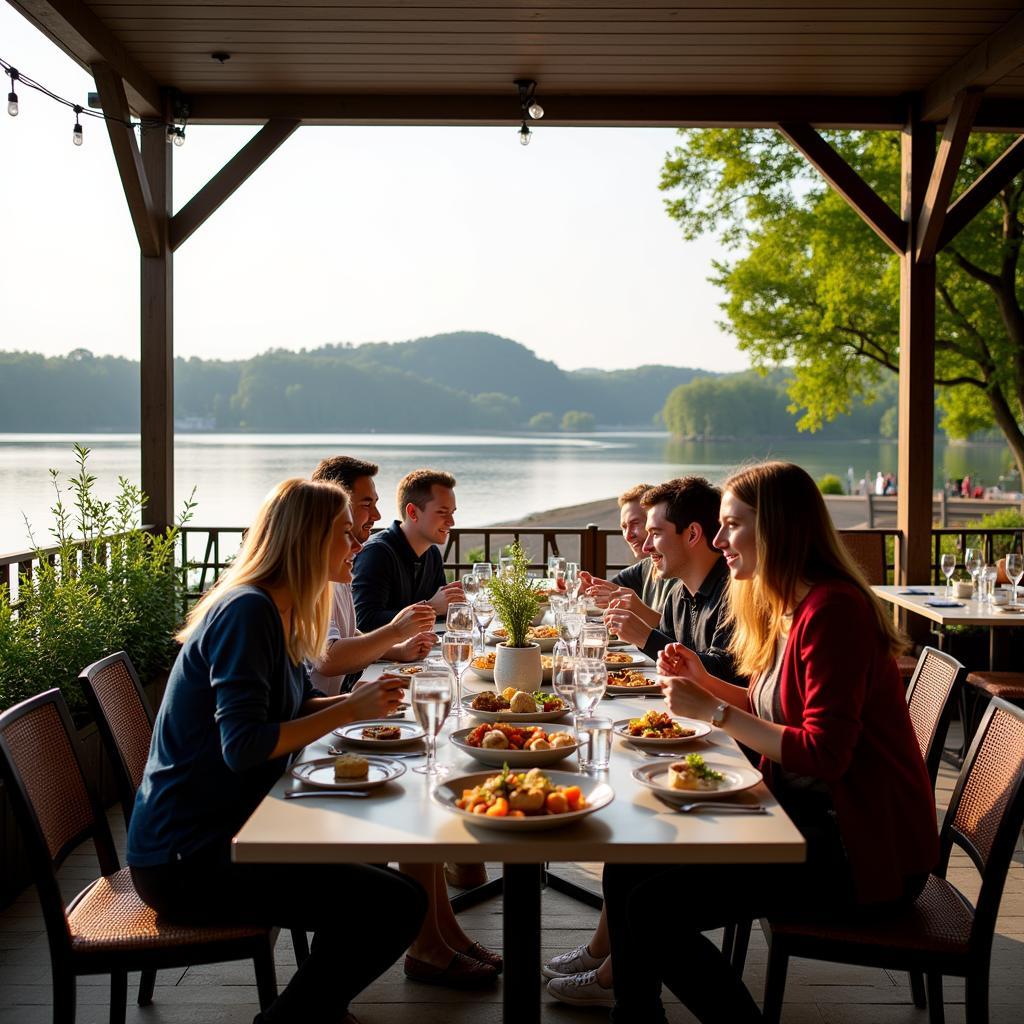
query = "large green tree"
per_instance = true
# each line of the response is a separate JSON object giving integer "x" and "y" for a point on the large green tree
{"x": 809, "y": 285}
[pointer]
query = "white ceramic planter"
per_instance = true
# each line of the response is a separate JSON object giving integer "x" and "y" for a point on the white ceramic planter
{"x": 518, "y": 666}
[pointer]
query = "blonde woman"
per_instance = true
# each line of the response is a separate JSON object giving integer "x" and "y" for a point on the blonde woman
{"x": 238, "y": 702}
{"x": 826, "y": 711}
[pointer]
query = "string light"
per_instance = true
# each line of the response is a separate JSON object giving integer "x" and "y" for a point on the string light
{"x": 76, "y": 134}
{"x": 530, "y": 109}
{"x": 12, "y": 96}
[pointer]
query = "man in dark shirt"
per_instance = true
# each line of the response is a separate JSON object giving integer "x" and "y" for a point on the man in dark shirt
{"x": 402, "y": 565}
{"x": 682, "y": 520}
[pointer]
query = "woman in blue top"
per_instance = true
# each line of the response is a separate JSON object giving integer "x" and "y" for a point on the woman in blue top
{"x": 238, "y": 703}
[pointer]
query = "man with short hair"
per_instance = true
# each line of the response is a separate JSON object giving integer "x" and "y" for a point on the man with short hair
{"x": 408, "y": 636}
{"x": 682, "y": 520}
{"x": 402, "y": 565}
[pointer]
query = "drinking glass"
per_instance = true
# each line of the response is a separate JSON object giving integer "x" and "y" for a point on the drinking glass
{"x": 556, "y": 565}
{"x": 431, "y": 696}
{"x": 471, "y": 586}
{"x": 1015, "y": 570}
{"x": 483, "y": 571}
{"x": 594, "y": 739}
{"x": 572, "y": 579}
{"x": 457, "y": 651}
{"x": 504, "y": 564}
{"x": 563, "y": 673}
{"x": 987, "y": 581}
{"x": 483, "y": 612}
{"x": 570, "y": 624}
{"x": 973, "y": 563}
{"x": 591, "y": 682}
{"x": 460, "y": 617}
{"x": 948, "y": 565}
{"x": 594, "y": 640}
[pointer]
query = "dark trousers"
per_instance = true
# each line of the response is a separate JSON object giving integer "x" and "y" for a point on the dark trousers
{"x": 363, "y": 917}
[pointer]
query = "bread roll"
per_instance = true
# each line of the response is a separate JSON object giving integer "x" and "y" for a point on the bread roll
{"x": 350, "y": 766}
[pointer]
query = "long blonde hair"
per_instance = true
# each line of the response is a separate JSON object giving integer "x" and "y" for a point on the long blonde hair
{"x": 796, "y": 544}
{"x": 287, "y": 545}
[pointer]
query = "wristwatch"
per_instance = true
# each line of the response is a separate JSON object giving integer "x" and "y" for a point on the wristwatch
{"x": 718, "y": 716}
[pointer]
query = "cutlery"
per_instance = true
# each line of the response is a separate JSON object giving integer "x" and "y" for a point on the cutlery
{"x": 300, "y": 794}
{"x": 707, "y": 805}
{"x": 677, "y": 754}
{"x": 407, "y": 753}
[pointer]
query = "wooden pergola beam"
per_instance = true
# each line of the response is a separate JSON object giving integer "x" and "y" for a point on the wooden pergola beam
{"x": 861, "y": 197}
{"x": 944, "y": 172}
{"x": 985, "y": 188}
{"x": 73, "y": 27}
{"x": 128, "y": 158}
{"x": 993, "y": 58}
{"x": 229, "y": 178}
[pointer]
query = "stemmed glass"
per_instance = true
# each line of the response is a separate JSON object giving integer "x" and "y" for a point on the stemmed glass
{"x": 483, "y": 571}
{"x": 572, "y": 579}
{"x": 471, "y": 586}
{"x": 563, "y": 673}
{"x": 457, "y": 651}
{"x": 431, "y": 695}
{"x": 460, "y": 618}
{"x": 591, "y": 682}
{"x": 973, "y": 564}
{"x": 948, "y": 566}
{"x": 570, "y": 624}
{"x": 1015, "y": 570}
{"x": 483, "y": 612}
{"x": 556, "y": 567}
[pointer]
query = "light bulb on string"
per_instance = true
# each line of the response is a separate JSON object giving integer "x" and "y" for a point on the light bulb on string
{"x": 536, "y": 111}
{"x": 76, "y": 132}
{"x": 12, "y": 96}
{"x": 524, "y": 135}
{"x": 179, "y": 136}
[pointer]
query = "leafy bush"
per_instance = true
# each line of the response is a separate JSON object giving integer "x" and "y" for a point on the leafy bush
{"x": 111, "y": 586}
{"x": 515, "y": 598}
{"x": 831, "y": 484}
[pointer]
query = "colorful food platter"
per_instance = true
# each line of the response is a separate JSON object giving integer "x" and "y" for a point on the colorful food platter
{"x": 692, "y": 728}
{"x": 514, "y": 758}
{"x": 512, "y": 716}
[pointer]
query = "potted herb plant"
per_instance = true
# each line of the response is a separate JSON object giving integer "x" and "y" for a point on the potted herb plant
{"x": 517, "y": 661}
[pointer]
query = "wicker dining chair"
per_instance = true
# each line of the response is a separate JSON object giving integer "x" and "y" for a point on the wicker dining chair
{"x": 125, "y": 721}
{"x": 106, "y": 928}
{"x": 941, "y": 934}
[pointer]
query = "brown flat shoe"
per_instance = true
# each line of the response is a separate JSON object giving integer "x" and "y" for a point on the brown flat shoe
{"x": 486, "y": 956}
{"x": 462, "y": 972}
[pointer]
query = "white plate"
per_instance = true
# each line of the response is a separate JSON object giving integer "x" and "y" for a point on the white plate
{"x": 700, "y": 729}
{"x": 320, "y": 773}
{"x": 635, "y": 658}
{"x": 738, "y": 778}
{"x": 546, "y": 643}
{"x": 652, "y": 687}
{"x": 510, "y": 716}
{"x": 353, "y": 733}
{"x": 598, "y": 795}
{"x": 515, "y": 758}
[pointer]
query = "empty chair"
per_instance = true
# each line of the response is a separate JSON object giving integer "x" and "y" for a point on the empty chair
{"x": 106, "y": 928}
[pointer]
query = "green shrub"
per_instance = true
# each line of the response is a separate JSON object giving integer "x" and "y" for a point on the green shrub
{"x": 831, "y": 484}
{"x": 515, "y": 598}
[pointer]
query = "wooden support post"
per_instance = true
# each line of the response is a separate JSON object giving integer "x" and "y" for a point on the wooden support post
{"x": 156, "y": 366}
{"x": 917, "y": 366}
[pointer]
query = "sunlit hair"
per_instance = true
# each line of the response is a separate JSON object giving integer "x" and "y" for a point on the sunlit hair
{"x": 344, "y": 470}
{"x": 633, "y": 494}
{"x": 796, "y": 544}
{"x": 417, "y": 487}
{"x": 287, "y": 545}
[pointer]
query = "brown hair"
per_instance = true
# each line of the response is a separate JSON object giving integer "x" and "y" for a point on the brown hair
{"x": 690, "y": 499}
{"x": 417, "y": 488}
{"x": 796, "y": 544}
{"x": 344, "y": 470}
{"x": 633, "y": 494}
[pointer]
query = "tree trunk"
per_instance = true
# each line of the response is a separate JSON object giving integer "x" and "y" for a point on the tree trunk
{"x": 1009, "y": 426}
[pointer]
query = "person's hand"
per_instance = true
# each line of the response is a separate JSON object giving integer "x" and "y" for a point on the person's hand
{"x": 679, "y": 660}
{"x": 626, "y": 625}
{"x": 602, "y": 592}
{"x": 416, "y": 647}
{"x": 623, "y": 597}
{"x": 416, "y": 618}
{"x": 689, "y": 699}
{"x": 446, "y": 595}
{"x": 377, "y": 699}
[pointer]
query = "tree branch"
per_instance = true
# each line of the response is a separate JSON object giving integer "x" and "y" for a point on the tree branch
{"x": 978, "y": 273}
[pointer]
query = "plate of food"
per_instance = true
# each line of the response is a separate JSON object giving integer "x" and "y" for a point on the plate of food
{"x": 347, "y": 771}
{"x": 631, "y": 680}
{"x": 521, "y": 746}
{"x": 543, "y": 635}
{"x": 382, "y": 732}
{"x": 483, "y": 666}
{"x": 693, "y": 778}
{"x": 659, "y": 729}
{"x": 523, "y": 801}
{"x": 624, "y": 659}
{"x": 496, "y": 707}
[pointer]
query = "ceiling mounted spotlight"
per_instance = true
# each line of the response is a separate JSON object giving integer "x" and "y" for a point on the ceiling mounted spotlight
{"x": 220, "y": 56}
{"x": 529, "y": 108}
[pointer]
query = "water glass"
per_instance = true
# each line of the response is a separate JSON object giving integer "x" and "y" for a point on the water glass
{"x": 987, "y": 583}
{"x": 431, "y": 699}
{"x": 483, "y": 612}
{"x": 594, "y": 737}
{"x": 505, "y": 563}
{"x": 594, "y": 640}
{"x": 948, "y": 566}
{"x": 556, "y": 565}
{"x": 1015, "y": 570}
{"x": 563, "y": 672}
{"x": 572, "y": 579}
{"x": 973, "y": 564}
{"x": 460, "y": 617}
{"x": 591, "y": 682}
{"x": 471, "y": 586}
{"x": 483, "y": 571}
{"x": 457, "y": 651}
{"x": 570, "y": 623}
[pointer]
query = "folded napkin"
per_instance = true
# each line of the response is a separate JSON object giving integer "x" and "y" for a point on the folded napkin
{"x": 941, "y": 602}
{"x": 914, "y": 592}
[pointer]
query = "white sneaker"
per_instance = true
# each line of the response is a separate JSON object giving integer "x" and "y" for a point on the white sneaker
{"x": 576, "y": 961}
{"x": 581, "y": 990}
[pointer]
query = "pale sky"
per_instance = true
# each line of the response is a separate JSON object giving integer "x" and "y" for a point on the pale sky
{"x": 355, "y": 234}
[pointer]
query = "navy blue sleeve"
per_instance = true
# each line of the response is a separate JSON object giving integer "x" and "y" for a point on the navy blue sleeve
{"x": 657, "y": 642}
{"x": 631, "y": 577}
{"x": 372, "y": 587}
{"x": 242, "y": 644}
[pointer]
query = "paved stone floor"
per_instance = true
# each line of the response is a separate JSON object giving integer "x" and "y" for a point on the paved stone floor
{"x": 817, "y": 993}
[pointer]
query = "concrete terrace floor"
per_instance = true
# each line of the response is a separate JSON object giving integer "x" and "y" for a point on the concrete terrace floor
{"x": 817, "y": 993}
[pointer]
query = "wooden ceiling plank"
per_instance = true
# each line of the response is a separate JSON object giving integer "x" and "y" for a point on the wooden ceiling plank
{"x": 861, "y": 197}
{"x": 229, "y": 178}
{"x": 84, "y": 38}
{"x": 944, "y": 171}
{"x": 983, "y": 190}
{"x": 128, "y": 158}
{"x": 989, "y": 61}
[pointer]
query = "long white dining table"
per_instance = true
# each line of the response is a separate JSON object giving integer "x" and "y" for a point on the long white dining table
{"x": 401, "y": 821}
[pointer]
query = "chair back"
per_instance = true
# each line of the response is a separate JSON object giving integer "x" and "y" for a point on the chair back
{"x": 124, "y": 718}
{"x": 931, "y": 696}
{"x": 986, "y": 812}
{"x": 868, "y": 551}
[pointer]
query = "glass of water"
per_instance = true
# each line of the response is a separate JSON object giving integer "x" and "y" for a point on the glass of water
{"x": 460, "y": 617}
{"x": 594, "y": 640}
{"x": 431, "y": 695}
{"x": 556, "y": 565}
{"x": 987, "y": 583}
{"x": 483, "y": 571}
{"x": 572, "y": 579}
{"x": 563, "y": 673}
{"x": 948, "y": 566}
{"x": 457, "y": 651}
{"x": 483, "y": 612}
{"x": 594, "y": 736}
{"x": 973, "y": 564}
{"x": 471, "y": 586}
{"x": 570, "y": 624}
{"x": 591, "y": 682}
{"x": 1015, "y": 570}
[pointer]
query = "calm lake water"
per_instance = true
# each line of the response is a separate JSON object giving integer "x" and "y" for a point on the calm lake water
{"x": 499, "y": 477}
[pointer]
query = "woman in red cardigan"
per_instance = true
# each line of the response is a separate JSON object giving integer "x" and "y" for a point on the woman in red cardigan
{"x": 827, "y": 712}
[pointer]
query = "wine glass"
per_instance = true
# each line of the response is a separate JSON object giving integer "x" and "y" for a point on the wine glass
{"x": 460, "y": 617}
{"x": 973, "y": 563}
{"x": 556, "y": 565}
{"x": 591, "y": 682}
{"x": 1015, "y": 570}
{"x": 483, "y": 571}
{"x": 572, "y": 579}
{"x": 563, "y": 673}
{"x": 431, "y": 696}
{"x": 471, "y": 586}
{"x": 570, "y": 623}
{"x": 457, "y": 651}
{"x": 483, "y": 612}
{"x": 594, "y": 640}
{"x": 948, "y": 566}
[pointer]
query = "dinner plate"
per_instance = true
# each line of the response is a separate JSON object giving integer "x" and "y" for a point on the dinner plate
{"x": 700, "y": 729}
{"x": 617, "y": 688}
{"x": 597, "y": 793}
{"x": 320, "y": 773}
{"x": 353, "y": 733}
{"x": 487, "y": 674}
{"x": 513, "y": 716}
{"x": 546, "y": 643}
{"x": 738, "y": 778}
{"x": 514, "y": 758}
{"x": 635, "y": 658}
